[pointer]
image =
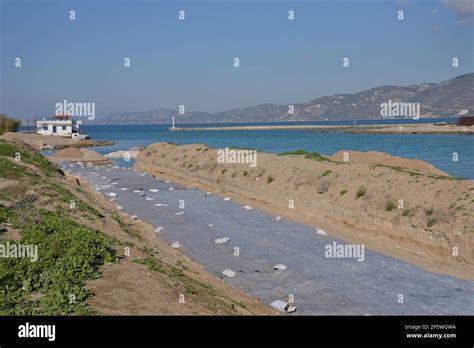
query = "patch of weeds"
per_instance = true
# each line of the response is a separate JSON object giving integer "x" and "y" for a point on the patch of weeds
{"x": 430, "y": 222}
{"x": 8, "y": 215}
{"x": 190, "y": 289}
{"x": 390, "y": 206}
{"x": 150, "y": 264}
{"x": 361, "y": 191}
{"x": 269, "y": 179}
{"x": 295, "y": 153}
{"x": 28, "y": 155}
{"x": 343, "y": 192}
{"x": 181, "y": 265}
{"x": 241, "y": 304}
{"x": 13, "y": 171}
{"x": 308, "y": 155}
{"x": 415, "y": 173}
{"x": 148, "y": 250}
{"x": 429, "y": 211}
{"x": 69, "y": 254}
{"x": 125, "y": 227}
{"x": 326, "y": 173}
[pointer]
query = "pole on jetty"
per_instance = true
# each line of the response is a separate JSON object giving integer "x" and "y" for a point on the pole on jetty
{"x": 172, "y": 119}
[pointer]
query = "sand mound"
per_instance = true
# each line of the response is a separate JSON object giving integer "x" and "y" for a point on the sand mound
{"x": 72, "y": 154}
{"x": 69, "y": 152}
{"x": 382, "y": 158}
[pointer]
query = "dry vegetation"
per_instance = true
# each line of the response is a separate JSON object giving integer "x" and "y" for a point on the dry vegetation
{"x": 8, "y": 124}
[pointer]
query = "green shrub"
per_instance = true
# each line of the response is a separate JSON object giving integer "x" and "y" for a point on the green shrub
{"x": 309, "y": 155}
{"x": 361, "y": 191}
{"x": 390, "y": 206}
{"x": 8, "y": 124}
{"x": 27, "y": 155}
{"x": 69, "y": 254}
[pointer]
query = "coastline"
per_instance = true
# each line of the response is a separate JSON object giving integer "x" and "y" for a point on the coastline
{"x": 365, "y": 129}
{"x": 41, "y": 142}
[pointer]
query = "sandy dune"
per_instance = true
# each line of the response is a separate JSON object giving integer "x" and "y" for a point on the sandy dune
{"x": 72, "y": 154}
{"x": 382, "y": 158}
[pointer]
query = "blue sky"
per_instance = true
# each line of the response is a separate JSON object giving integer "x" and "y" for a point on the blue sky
{"x": 191, "y": 62}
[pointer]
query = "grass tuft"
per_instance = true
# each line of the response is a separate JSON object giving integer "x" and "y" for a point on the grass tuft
{"x": 361, "y": 191}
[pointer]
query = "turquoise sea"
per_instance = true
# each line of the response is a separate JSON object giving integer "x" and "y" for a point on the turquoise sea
{"x": 433, "y": 148}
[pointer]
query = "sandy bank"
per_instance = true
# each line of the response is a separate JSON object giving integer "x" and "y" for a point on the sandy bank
{"x": 384, "y": 159}
{"x": 41, "y": 141}
{"x": 407, "y": 209}
{"x": 72, "y": 154}
{"x": 382, "y": 129}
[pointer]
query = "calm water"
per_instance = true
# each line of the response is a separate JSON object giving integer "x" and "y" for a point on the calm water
{"x": 436, "y": 149}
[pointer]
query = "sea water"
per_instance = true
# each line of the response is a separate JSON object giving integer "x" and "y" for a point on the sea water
{"x": 437, "y": 149}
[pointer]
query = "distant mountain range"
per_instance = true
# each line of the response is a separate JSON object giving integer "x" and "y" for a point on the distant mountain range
{"x": 447, "y": 98}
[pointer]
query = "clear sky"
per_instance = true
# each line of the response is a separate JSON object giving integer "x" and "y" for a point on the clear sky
{"x": 190, "y": 62}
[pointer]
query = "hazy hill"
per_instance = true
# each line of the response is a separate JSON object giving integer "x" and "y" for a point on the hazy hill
{"x": 446, "y": 98}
